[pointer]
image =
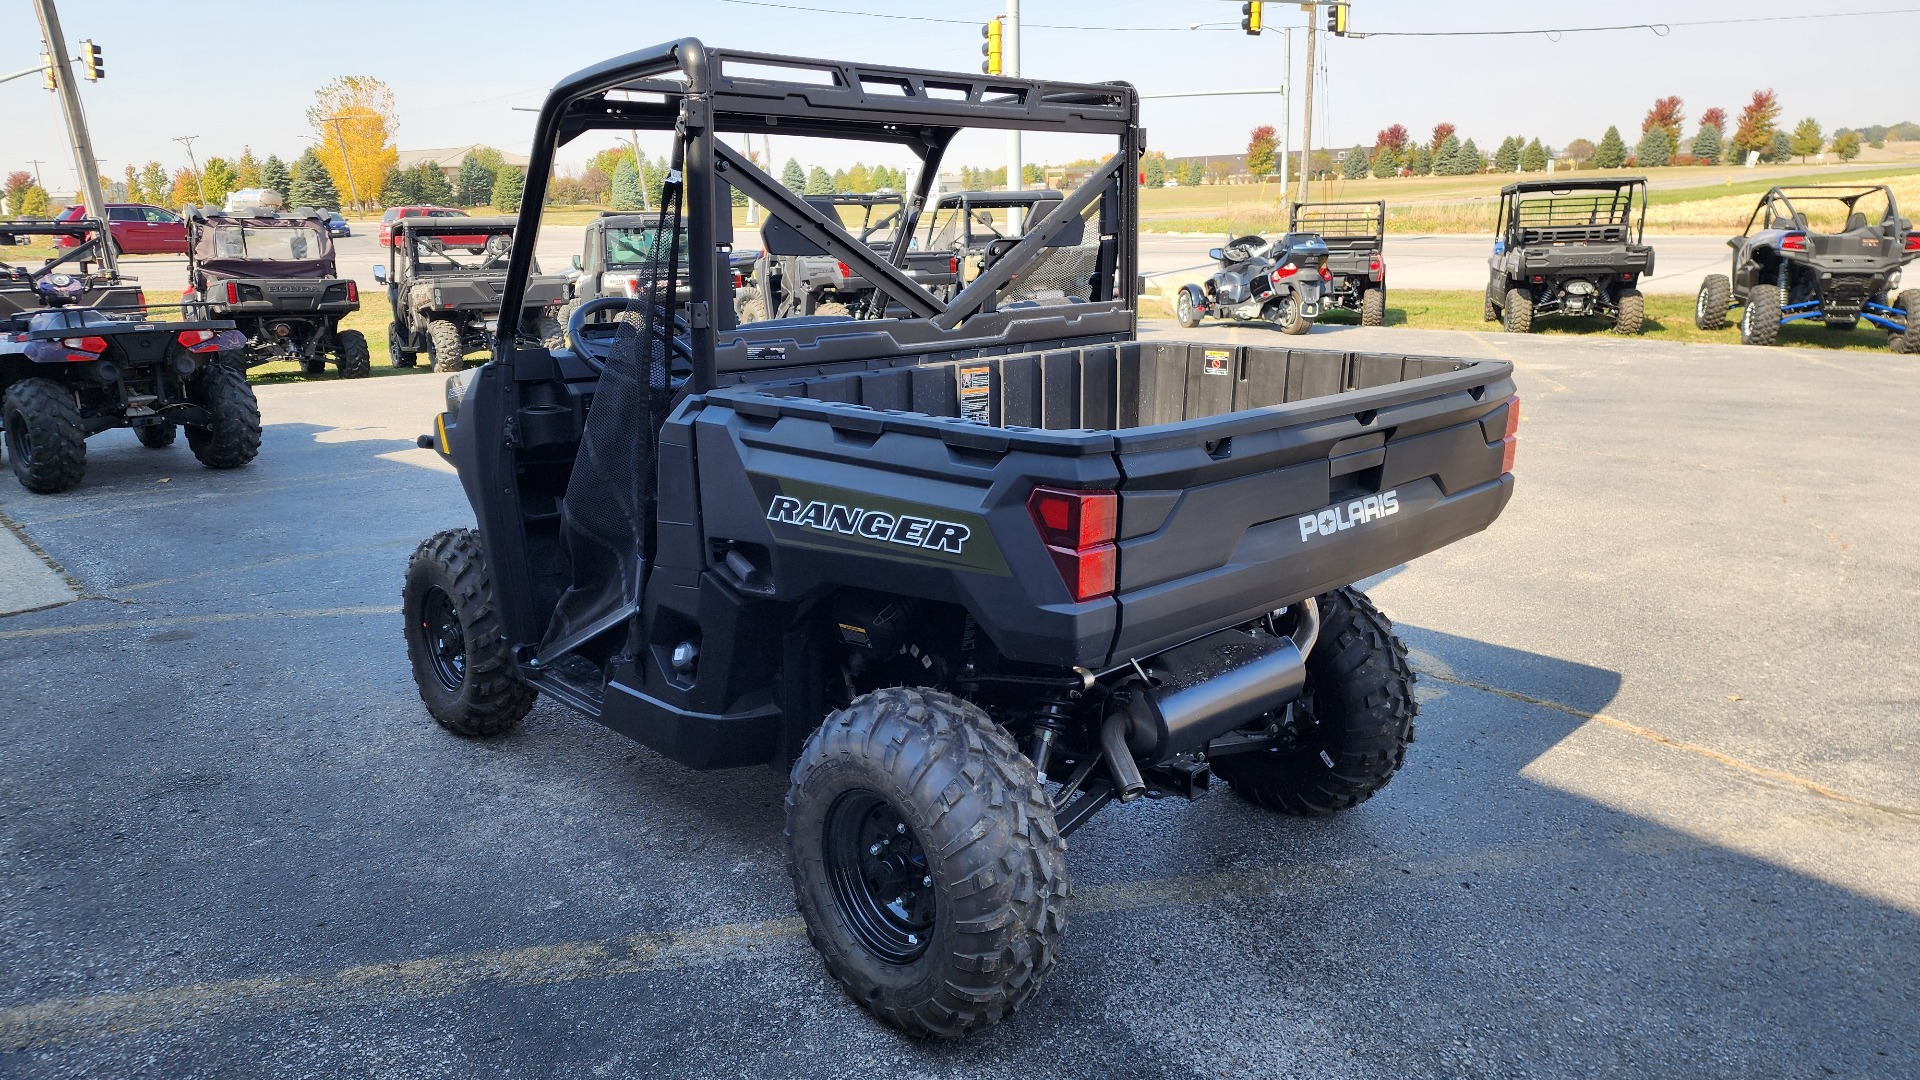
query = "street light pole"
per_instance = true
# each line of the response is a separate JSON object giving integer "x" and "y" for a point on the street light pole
{"x": 1306, "y": 115}
{"x": 77, "y": 136}
{"x": 353, "y": 191}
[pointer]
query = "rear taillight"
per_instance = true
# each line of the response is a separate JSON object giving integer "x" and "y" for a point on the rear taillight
{"x": 739, "y": 282}
{"x": 1078, "y": 528}
{"x": 353, "y": 291}
{"x": 1373, "y": 267}
{"x": 1511, "y": 442}
{"x": 233, "y": 292}
{"x": 845, "y": 270}
{"x": 84, "y": 348}
{"x": 198, "y": 341}
{"x": 1794, "y": 242}
{"x": 953, "y": 264}
{"x": 1326, "y": 274}
{"x": 1913, "y": 242}
{"x": 1282, "y": 272}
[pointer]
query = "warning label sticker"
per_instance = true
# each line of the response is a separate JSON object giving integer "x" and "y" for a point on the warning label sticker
{"x": 1218, "y": 362}
{"x": 976, "y": 393}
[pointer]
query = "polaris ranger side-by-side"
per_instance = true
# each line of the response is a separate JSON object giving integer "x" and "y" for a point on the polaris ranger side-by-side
{"x": 273, "y": 273}
{"x": 1570, "y": 247}
{"x": 968, "y": 573}
{"x": 445, "y": 277}
{"x": 1836, "y": 268}
{"x": 82, "y": 352}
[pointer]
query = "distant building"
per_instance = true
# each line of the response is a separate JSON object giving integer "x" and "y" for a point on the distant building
{"x": 451, "y": 158}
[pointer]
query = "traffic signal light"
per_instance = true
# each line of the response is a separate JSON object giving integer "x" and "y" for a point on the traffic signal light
{"x": 1250, "y": 16}
{"x": 90, "y": 57}
{"x": 1337, "y": 19}
{"x": 46, "y": 71}
{"x": 991, "y": 49}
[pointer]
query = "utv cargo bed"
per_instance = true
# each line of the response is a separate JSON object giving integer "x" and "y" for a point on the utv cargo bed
{"x": 1236, "y": 467}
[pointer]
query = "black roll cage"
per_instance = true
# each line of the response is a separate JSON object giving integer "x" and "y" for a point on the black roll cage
{"x": 1845, "y": 194}
{"x": 87, "y": 250}
{"x": 1632, "y": 190}
{"x": 689, "y": 89}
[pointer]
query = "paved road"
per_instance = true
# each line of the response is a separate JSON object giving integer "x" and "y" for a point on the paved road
{"x": 1453, "y": 262}
{"x": 1660, "y": 819}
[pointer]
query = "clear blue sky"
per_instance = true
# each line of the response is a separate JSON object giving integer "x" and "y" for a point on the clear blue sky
{"x": 167, "y": 76}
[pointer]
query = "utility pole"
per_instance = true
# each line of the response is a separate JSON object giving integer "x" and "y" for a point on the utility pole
{"x": 1306, "y": 115}
{"x": 353, "y": 191}
{"x": 83, "y": 161}
{"x": 36, "y": 163}
{"x": 1286, "y": 116}
{"x": 1011, "y": 45}
{"x": 198, "y": 180}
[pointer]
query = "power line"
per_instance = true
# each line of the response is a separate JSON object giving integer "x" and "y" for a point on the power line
{"x": 938, "y": 19}
{"x": 1662, "y": 29}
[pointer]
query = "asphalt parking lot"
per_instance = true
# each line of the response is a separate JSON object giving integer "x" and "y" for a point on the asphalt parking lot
{"x": 1662, "y": 818}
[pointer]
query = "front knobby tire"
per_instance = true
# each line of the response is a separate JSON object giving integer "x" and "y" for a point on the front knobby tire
{"x": 352, "y": 356}
{"x": 1760, "y": 319}
{"x": 448, "y": 354}
{"x": 1630, "y": 314}
{"x": 1517, "y": 316}
{"x": 459, "y": 652}
{"x": 397, "y": 352}
{"x": 1908, "y": 343}
{"x": 1710, "y": 307}
{"x": 926, "y": 861}
{"x": 1355, "y": 718}
{"x": 1373, "y": 306}
{"x": 46, "y": 442}
{"x": 231, "y": 436}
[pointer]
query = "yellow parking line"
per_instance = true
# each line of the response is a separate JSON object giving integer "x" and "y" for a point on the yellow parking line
{"x": 173, "y": 621}
{"x": 97, "y": 1015}
{"x": 1811, "y": 786}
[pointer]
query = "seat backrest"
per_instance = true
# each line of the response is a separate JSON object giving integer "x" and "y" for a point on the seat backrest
{"x": 1856, "y": 221}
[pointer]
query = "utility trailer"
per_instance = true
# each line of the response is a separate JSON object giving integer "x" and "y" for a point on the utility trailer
{"x": 968, "y": 573}
{"x": 1356, "y": 236}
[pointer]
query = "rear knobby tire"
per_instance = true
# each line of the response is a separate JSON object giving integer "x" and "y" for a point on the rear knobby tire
{"x": 1489, "y": 310}
{"x": 351, "y": 355}
{"x": 156, "y": 436}
{"x": 1517, "y": 316}
{"x": 397, "y": 353}
{"x": 553, "y": 332}
{"x": 1710, "y": 307}
{"x": 1373, "y": 306}
{"x": 459, "y": 652}
{"x": 1630, "y": 313}
{"x": 1355, "y": 718}
{"x": 1760, "y": 319}
{"x": 46, "y": 443}
{"x": 231, "y": 436}
{"x": 1908, "y": 343}
{"x": 976, "y": 935}
{"x": 836, "y": 310}
{"x": 448, "y": 354}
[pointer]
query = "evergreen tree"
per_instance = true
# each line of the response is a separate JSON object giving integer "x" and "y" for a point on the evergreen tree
{"x": 818, "y": 182}
{"x": 1197, "y": 172}
{"x": 1385, "y": 164}
{"x": 1706, "y": 145}
{"x": 430, "y": 184}
{"x": 1470, "y": 160}
{"x": 1422, "y": 161}
{"x": 1781, "y": 149}
{"x": 625, "y": 191}
{"x": 1807, "y": 139}
{"x": 1354, "y": 165}
{"x": 1507, "y": 158}
{"x": 1446, "y": 160}
{"x": 399, "y": 188}
{"x": 1534, "y": 157}
{"x": 246, "y": 171}
{"x": 312, "y": 185}
{"x": 1612, "y": 151}
{"x": 274, "y": 175}
{"x": 1156, "y": 169}
{"x": 508, "y": 186}
{"x": 793, "y": 177}
{"x": 839, "y": 181}
{"x": 473, "y": 183}
{"x": 1654, "y": 150}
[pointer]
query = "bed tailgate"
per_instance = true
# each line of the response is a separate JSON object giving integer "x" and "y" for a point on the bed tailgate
{"x": 1228, "y": 517}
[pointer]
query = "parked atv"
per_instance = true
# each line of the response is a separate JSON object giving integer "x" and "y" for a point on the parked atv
{"x": 974, "y": 228}
{"x": 1570, "y": 247}
{"x": 68, "y": 371}
{"x": 1356, "y": 235}
{"x": 444, "y": 279}
{"x": 965, "y": 576}
{"x": 272, "y": 272}
{"x": 1837, "y": 268}
{"x": 812, "y": 283}
{"x": 1281, "y": 281}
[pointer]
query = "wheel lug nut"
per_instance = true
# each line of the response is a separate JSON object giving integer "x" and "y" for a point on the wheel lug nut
{"x": 928, "y": 880}
{"x": 900, "y": 828}
{"x": 875, "y": 849}
{"x": 913, "y": 939}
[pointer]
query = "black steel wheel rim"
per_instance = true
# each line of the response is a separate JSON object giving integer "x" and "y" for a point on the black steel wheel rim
{"x": 445, "y": 639}
{"x": 879, "y": 875}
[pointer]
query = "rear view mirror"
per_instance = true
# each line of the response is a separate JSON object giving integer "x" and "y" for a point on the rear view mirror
{"x": 380, "y": 274}
{"x": 1215, "y": 254}
{"x": 983, "y": 217}
{"x": 1735, "y": 242}
{"x": 576, "y": 263}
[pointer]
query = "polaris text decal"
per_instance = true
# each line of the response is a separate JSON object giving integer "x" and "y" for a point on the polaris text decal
{"x": 903, "y": 529}
{"x": 1341, "y": 518}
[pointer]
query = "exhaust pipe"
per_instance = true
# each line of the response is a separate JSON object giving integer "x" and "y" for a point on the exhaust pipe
{"x": 1193, "y": 694}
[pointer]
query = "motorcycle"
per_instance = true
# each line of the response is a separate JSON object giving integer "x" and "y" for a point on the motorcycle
{"x": 1279, "y": 281}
